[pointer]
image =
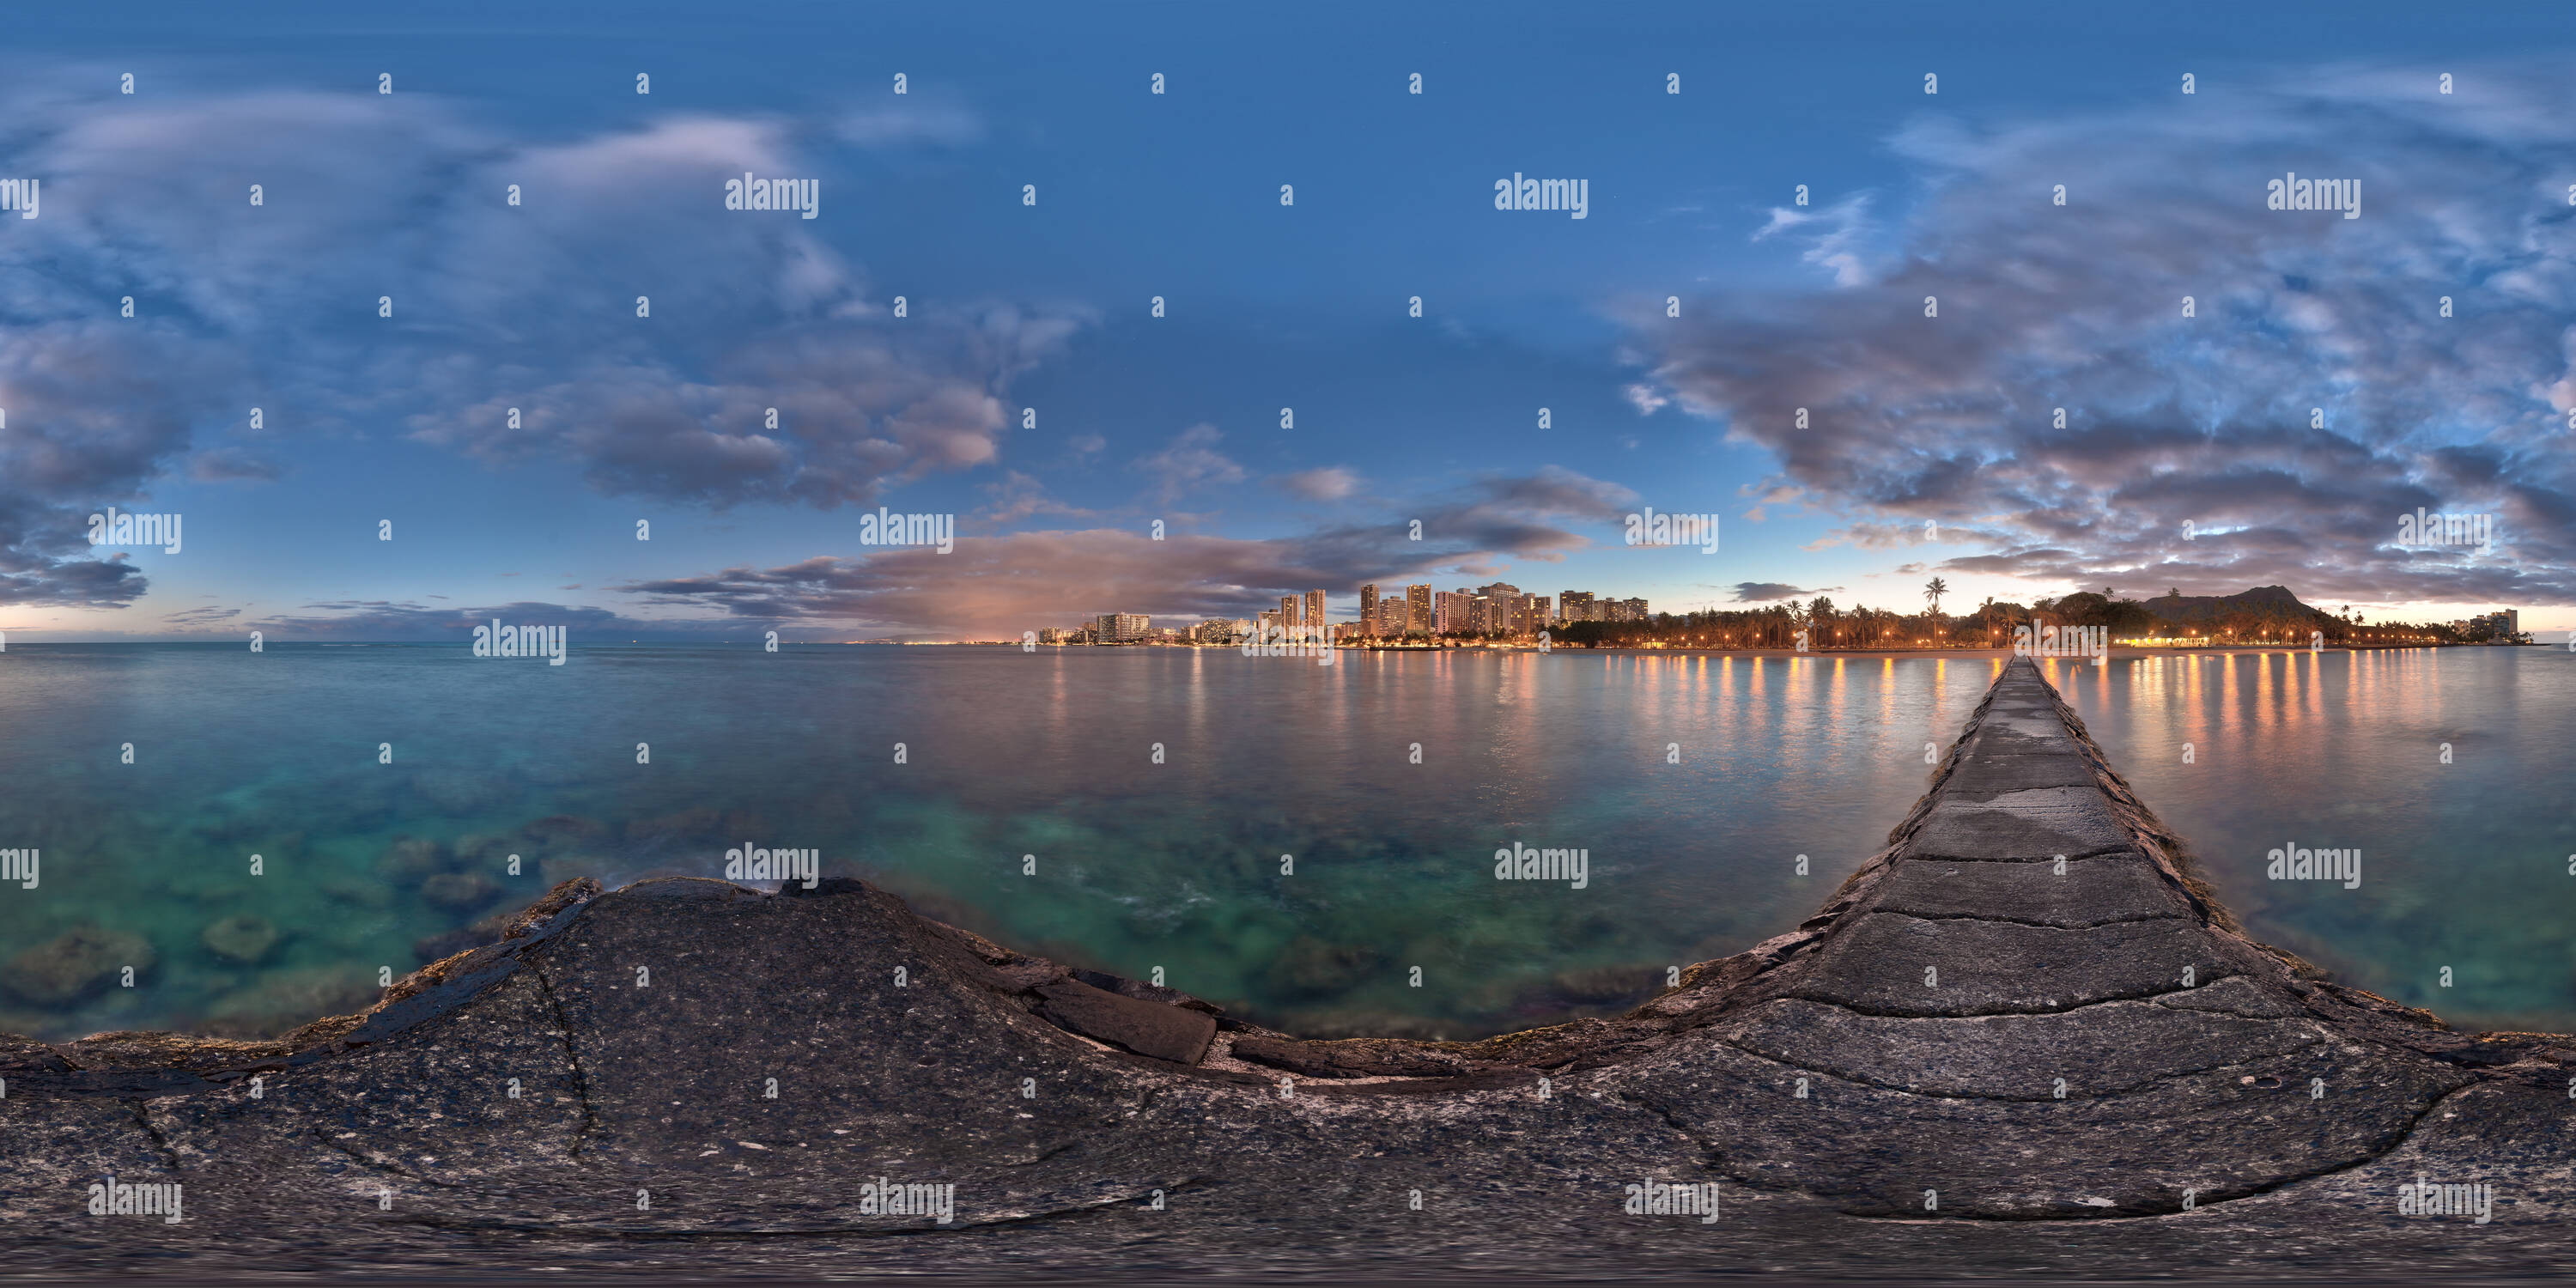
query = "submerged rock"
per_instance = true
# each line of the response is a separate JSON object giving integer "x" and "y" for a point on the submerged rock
{"x": 284, "y": 1000}
{"x": 461, "y": 792}
{"x": 557, "y": 831}
{"x": 241, "y": 938}
{"x": 77, "y": 963}
{"x": 698, "y": 824}
{"x": 1335, "y": 1024}
{"x": 1603, "y": 985}
{"x": 460, "y": 891}
{"x": 354, "y": 890}
{"x": 1311, "y": 967}
{"x": 571, "y": 867}
{"x": 412, "y": 858}
{"x": 448, "y": 943}
{"x": 486, "y": 851}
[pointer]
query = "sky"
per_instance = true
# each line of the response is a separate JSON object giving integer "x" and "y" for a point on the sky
{"x": 1864, "y": 389}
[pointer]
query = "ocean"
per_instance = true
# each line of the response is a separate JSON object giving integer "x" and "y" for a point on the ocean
{"x": 1312, "y": 847}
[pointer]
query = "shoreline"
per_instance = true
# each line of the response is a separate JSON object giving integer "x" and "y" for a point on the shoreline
{"x": 2116, "y": 650}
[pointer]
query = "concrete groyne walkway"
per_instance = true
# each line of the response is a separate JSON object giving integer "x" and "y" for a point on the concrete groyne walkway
{"x": 2021, "y": 1039}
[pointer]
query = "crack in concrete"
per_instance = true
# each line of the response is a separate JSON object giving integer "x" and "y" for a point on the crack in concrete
{"x": 1713, "y": 1153}
{"x": 379, "y": 1165}
{"x": 2088, "y": 856}
{"x": 1071, "y": 1143}
{"x": 143, "y": 1119}
{"x": 2401, "y": 1136}
{"x": 2092, "y": 1096}
{"x": 848, "y": 1231}
{"x": 2025, "y": 921}
{"x": 572, "y": 1058}
{"x": 1977, "y": 1015}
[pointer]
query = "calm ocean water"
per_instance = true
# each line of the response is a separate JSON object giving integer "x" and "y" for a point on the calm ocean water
{"x": 1176, "y": 863}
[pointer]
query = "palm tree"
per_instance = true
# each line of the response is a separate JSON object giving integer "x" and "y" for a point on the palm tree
{"x": 1933, "y": 590}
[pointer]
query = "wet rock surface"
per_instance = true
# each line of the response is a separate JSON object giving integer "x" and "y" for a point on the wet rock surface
{"x": 1973, "y": 1060}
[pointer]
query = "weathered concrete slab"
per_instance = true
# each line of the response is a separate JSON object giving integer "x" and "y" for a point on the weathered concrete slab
{"x": 2029, "y": 826}
{"x": 2112, "y": 1047}
{"x": 1890, "y": 964}
{"x": 1146, "y": 1028}
{"x": 1985, "y": 774}
{"x": 1873, "y": 1151}
{"x": 2239, "y": 995}
{"x": 2091, "y": 892}
{"x": 686, "y": 1078}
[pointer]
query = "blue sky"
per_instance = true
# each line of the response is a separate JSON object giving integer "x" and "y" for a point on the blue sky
{"x": 2315, "y": 396}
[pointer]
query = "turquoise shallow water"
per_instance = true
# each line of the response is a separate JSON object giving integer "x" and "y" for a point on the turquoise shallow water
{"x": 1176, "y": 865}
{"x": 2469, "y": 865}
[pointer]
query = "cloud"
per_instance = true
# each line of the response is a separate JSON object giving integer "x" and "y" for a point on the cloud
{"x": 232, "y": 464}
{"x": 1865, "y": 535}
{"x": 199, "y": 617}
{"x": 1019, "y": 496}
{"x": 94, "y": 412}
{"x": 860, "y": 408}
{"x": 1761, "y": 592}
{"x": 498, "y": 306}
{"x": 1189, "y": 462}
{"x": 1331, "y": 483}
{"x": 1768, "y": 493}
{"x": 2300, "y": 317}
{"x": 994, "y": 587}
{"x": 1836, "y": 236}
{"x": 394, "y": 621}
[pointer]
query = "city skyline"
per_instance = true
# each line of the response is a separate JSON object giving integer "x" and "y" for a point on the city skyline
{"x": 1503, "y": 610}
{"x": 1513, "y": 611}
